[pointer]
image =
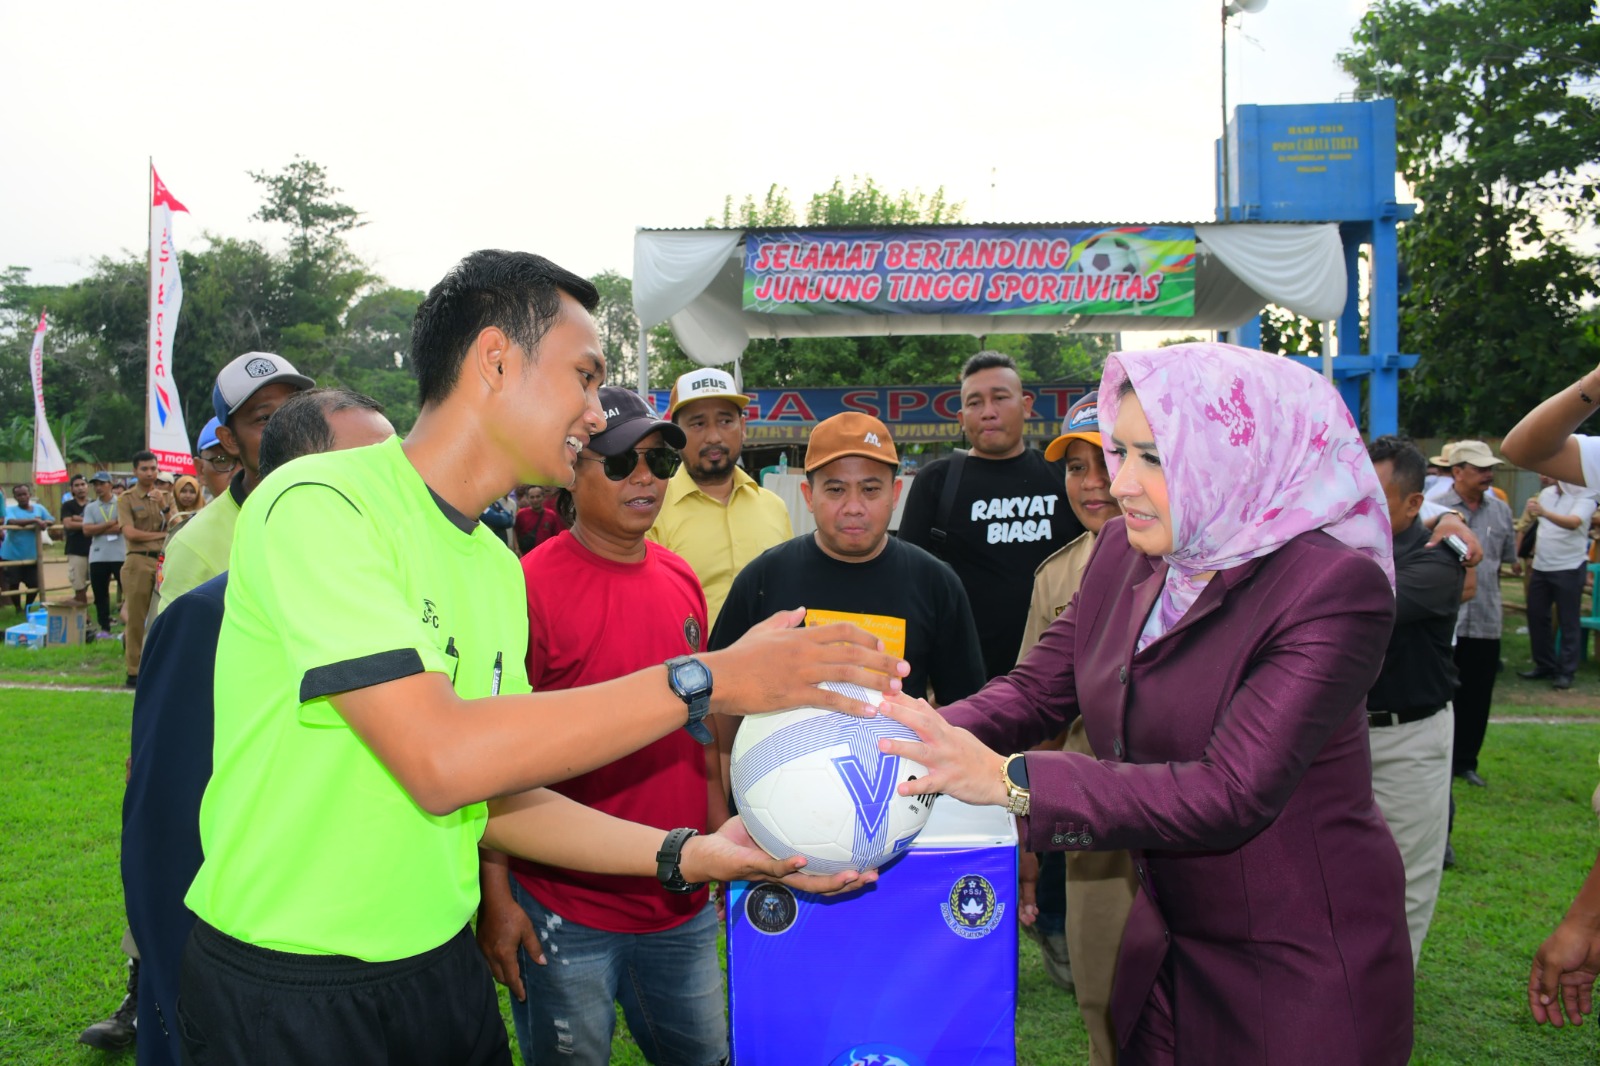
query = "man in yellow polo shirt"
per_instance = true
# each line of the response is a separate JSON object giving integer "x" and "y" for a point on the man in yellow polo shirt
{"x": 715, "y": 515}
{"x": 247, "y": 391}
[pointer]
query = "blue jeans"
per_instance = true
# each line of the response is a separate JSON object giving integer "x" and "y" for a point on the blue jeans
{"x": 669, "y": 984}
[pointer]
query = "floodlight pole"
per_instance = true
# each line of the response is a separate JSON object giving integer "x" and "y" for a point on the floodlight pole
{"x": 1232, "y": 7}
{"x": 1227, "y": 207}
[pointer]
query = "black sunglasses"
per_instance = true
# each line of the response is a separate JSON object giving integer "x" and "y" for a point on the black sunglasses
{"x": 662, "y": 462}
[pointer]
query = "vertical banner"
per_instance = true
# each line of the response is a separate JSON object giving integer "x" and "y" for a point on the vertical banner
{"x": 165, "y": 432}
{"x": 48, "y": 466}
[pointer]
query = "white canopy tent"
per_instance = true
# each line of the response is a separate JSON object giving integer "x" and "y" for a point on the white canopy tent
{"x": 694, "y": 278}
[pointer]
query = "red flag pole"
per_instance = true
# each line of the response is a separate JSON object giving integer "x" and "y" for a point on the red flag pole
{"x": 149, "y": 272}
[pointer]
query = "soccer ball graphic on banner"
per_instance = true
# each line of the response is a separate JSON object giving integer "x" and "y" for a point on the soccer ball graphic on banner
{"x": 1108, "y": 254}
{"x": 812, "y": 782}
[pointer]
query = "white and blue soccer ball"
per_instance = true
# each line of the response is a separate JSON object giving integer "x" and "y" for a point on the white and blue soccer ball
{"x": 812, "y": 782}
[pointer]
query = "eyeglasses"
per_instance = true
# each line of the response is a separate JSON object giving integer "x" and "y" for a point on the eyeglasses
{"x": 662, "y": 462}
{"x": 220, "y": 463}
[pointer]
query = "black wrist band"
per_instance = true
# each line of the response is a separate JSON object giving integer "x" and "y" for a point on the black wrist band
{"x": 668, "y": 871}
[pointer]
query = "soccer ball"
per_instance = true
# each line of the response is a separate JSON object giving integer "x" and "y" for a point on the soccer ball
{"x": 812, "y": 782}
{"x": 1109, "y": 254}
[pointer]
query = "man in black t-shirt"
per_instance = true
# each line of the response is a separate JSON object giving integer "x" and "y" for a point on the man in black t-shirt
{"x": 1009, "y": 513}
{"x": 77, "y": 542}
{"x": 850, "y": 569}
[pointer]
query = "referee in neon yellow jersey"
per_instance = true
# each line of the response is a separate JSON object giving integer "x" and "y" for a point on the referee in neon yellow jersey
{"x": 371, "y": 706}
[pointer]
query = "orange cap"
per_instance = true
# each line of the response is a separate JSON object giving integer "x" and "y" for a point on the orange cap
{"x": 850, "y": 433}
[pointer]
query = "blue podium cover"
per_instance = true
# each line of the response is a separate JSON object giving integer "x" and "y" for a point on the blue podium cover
{"x": 918, "y": 970}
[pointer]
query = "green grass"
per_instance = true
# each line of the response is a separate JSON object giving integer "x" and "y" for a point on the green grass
{"x": 98, "y": 664}
{"x": 1523, "y": 847}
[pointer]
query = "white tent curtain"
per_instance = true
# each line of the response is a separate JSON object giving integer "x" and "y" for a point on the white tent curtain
{"x": 695, "y": 280}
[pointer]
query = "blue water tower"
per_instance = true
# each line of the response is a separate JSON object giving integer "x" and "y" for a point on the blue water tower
{"x": 1329, "y": 163}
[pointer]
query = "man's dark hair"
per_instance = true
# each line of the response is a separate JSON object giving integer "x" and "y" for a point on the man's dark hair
{"x": 566, "y": 506}
{"x": 1410, "y": 465}
{"x": 988, "y": 360}
{"x": 145, "y": 456}
{"x": 517, "y": 292}
{"x": 22, "y": 488}
{"x": 77, "y": 478}
{"x": 300, "y": 425}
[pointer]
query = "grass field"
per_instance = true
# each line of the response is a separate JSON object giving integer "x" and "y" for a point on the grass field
{"x": 1523, "y": 847}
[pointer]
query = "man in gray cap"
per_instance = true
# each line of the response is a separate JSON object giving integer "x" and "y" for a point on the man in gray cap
{"x": 1472, "y": 467}
{"x": 248, "y": 390}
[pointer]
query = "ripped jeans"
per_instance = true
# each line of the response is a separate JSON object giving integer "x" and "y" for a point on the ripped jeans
{"x": 668, "y": 983}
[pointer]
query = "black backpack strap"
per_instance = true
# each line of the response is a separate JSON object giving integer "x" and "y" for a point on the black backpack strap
{"x": 947, "y": 502}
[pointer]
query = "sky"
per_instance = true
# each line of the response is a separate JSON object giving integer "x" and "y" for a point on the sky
{"x": 560, "y": 129}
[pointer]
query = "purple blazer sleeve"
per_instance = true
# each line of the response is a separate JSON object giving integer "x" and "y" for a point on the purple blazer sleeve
{"x": 1032, "y": 703}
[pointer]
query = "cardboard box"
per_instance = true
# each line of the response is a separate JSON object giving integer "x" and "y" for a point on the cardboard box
{"x": 37, "y": 615}
{"x": 67, "y": 622}
{"x": 25, "y": 636}
{"x": 920, "y": 969}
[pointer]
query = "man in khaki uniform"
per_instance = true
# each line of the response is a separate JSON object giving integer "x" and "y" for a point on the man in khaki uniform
{"x": 143, "y": 512}
{"x": 1100, "y": 884}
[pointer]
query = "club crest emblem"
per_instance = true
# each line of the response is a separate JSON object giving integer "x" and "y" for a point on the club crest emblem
{"x": 691, "y": 633}
{"x": 972, "y": 911}
{"x": 771, "y": 909}
{"x": 261, "y": 368}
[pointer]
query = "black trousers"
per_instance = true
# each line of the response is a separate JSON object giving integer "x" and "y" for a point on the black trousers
{"x": 100, "y": 575}
{"x": 238, "y": 1003}
{"x": 1564, "y": 590}
{"x": 1477, "y": 666}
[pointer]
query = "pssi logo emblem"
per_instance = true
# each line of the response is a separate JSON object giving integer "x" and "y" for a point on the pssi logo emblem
{"x": 691, "y": 633}
{"x": 770, "y": 909}
{"x": 972, "y": 911}
{"x": 876, "y": 1055}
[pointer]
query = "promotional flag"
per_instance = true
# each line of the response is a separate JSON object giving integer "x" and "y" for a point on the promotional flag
{"x": 48, "y": 466}
{"x": 165, "y": 432}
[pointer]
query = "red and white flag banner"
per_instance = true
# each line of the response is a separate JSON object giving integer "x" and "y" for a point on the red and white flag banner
{"x": 168, "y": 437}
{"x": 48, "y": 466}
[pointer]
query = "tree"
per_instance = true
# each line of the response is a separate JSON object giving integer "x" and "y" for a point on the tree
{"x": 1498, "y": 135}
{"x": 314, "y": 302}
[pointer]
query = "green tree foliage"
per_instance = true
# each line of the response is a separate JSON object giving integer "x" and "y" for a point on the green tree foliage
{"x": 1499, "y": 137}
{"x": 820, "y": 362}
{"x": 313, "y": 302}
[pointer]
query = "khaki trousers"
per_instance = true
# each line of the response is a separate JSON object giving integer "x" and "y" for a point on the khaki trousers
{"x": 1100, "y": 890}
{"x": 138, "y": 584}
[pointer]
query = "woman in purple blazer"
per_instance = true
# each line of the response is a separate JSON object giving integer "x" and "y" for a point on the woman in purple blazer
{"x": 1220, "y": 651}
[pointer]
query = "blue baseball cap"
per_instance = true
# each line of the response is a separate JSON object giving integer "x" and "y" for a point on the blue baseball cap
{"x": 1082, "y": 423}
{"x": 208, "y": 436}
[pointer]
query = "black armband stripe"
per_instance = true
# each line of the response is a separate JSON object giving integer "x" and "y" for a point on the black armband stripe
{"x": 364, "y": 672}
{"x": 318, "y": 484}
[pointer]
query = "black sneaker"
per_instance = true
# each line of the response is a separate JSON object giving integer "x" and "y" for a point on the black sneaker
{"x": 119, "y": 1030}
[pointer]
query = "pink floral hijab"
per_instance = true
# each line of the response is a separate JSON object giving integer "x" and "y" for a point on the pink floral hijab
{"x": 1256, "y": 450}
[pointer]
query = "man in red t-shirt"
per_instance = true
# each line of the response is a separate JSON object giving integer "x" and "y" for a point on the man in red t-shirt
{"x": 536, "y": 520}
{"x": 604, "y": 602}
